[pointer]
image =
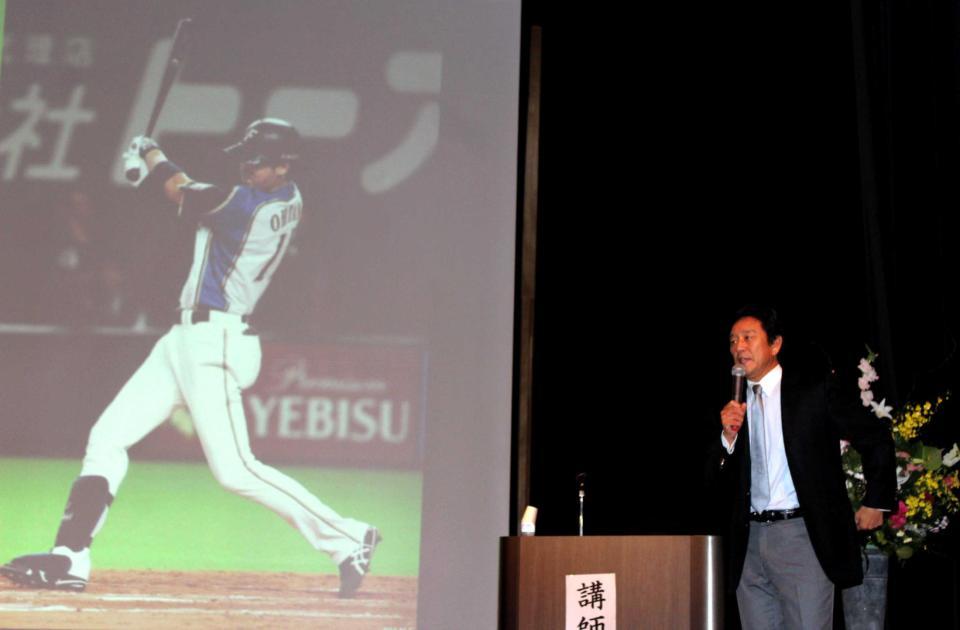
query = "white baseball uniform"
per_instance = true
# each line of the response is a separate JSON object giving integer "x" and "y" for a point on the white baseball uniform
{"x": 211, "y": 355}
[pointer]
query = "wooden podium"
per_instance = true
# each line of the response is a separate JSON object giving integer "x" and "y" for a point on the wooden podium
{"x": 662, "y": 581}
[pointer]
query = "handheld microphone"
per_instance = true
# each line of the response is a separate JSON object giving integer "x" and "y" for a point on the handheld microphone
{"x": 739, "y": 378}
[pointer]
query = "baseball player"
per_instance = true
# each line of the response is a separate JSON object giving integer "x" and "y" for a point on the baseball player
{"x": 204, "y": 362}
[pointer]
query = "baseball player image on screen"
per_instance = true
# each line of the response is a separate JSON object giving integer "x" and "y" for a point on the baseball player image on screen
{"x": 204, "y": 362}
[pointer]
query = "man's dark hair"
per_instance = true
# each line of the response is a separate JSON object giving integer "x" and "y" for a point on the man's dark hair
{"x": 766, "y": 315}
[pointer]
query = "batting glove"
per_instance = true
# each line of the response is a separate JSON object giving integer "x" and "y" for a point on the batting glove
{"x": 142, "y": 145}
{"x": 134, "y": 167}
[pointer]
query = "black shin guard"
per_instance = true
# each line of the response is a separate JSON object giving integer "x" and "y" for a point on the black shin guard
{"x": 89, "y": 499}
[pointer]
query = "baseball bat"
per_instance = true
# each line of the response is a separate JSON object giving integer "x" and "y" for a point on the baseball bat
{"x": 170, "y": 72}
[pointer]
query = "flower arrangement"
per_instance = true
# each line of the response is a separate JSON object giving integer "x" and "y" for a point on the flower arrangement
{"x": 927, "y": 481}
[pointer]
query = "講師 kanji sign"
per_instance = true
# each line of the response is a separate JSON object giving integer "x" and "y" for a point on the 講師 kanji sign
{"x": 591, "y": 602}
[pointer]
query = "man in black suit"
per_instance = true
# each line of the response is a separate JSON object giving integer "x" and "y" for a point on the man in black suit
{"x": 793, "y": 533}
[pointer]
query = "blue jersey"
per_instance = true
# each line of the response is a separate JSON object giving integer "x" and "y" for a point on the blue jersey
{"x": 241, "y": 239}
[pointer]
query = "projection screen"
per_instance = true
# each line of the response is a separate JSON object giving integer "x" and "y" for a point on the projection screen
{"x": 385, "y": 327}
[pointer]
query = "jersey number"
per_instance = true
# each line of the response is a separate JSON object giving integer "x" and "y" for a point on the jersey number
{"x": 273, "y": 259}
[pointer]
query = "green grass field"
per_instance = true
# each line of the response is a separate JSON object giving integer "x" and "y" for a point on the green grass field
{"x": 174, "y": 516}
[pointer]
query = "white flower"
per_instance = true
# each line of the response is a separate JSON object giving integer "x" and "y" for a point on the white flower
{"x": 952, "y": 456}
{"x": 903, "y": 475}
{"x": 867, "y": 397}
{"x": 881, "y": 409}
{"x": 869, "y": 373}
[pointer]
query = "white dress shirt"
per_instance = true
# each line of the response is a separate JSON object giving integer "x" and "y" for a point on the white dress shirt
{"x": 783, "y": 495}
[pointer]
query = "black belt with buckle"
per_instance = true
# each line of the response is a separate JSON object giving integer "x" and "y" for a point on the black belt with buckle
{"x": 203, "y": 315}
{"x": 769, "y": 516}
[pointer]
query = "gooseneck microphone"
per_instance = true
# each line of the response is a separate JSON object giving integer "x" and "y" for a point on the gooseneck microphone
{"x": 581, "y": 492}
{"x": 739, "y": 378}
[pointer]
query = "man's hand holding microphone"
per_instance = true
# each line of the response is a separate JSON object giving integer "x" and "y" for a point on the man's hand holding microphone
{"x": 734, "y": 412}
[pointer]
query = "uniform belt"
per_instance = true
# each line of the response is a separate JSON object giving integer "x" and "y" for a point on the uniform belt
{"x": 769, "y": 516}
{"x": 199, "y": 315}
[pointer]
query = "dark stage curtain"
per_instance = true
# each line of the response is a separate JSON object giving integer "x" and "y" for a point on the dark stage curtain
{"x": 907, "y": 77}
{"x": 695, "y": 157}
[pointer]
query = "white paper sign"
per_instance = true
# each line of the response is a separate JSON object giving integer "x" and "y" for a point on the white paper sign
{"x": 591, "y": 602}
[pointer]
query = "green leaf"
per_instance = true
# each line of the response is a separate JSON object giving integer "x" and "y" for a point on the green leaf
{"x": 932, "y": 457}
{"x": 904, "y": 553}
{"x": 852, "y": 460}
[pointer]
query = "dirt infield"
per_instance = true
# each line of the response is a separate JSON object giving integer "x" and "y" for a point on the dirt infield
{"x": 162, "y": 599}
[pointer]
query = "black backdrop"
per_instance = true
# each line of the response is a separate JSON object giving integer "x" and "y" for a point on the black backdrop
{"x": 697, "y": 157}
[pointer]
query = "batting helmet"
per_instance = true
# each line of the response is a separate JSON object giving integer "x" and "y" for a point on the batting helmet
{"x": 266, "y": 141}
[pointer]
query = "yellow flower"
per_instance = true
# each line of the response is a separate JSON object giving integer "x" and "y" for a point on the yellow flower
{"x": 908, "y": 424}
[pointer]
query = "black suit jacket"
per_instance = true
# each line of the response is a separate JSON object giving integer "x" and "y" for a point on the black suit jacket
{"x": 815, "y": 418}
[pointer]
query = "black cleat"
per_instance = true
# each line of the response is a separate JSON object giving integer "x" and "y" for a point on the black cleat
{"x": 43, "y": 570}
{"x": 357, "y": 563}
